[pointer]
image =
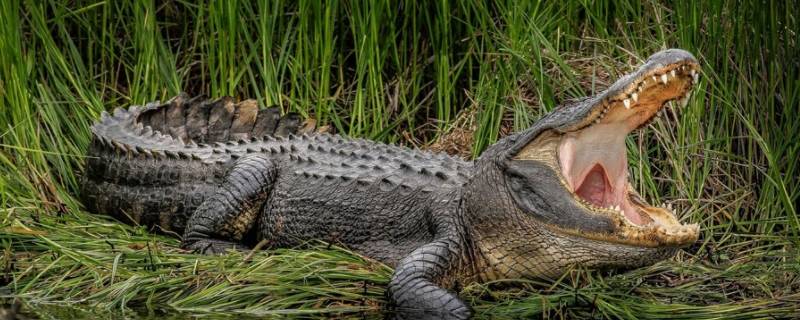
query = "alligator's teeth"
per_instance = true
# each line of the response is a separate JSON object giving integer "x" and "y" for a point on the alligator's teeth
{"x": 695, "y": 76}
{"x": 673, "y": 73}
{"x": 664, "y": 78}
{"x": 627, "y": 103}
{"x": 635, "y": 97}
{"x": 617, "y": 208}
{"x": 669, "y": 206}
{"x": 655, "y": 79}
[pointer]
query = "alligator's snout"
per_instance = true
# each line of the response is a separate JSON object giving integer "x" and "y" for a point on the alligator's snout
{"x": 671, "y": 56}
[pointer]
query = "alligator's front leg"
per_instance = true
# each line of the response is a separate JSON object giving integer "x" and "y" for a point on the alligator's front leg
{"x": 416, "y": 285}
{"x": 224, "y": 217}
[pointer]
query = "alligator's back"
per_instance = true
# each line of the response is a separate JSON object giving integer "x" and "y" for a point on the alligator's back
{"x": 154, "y": 165}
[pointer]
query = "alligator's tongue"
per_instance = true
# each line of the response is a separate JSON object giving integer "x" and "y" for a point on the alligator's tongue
{"x": 596, "y": 189}
{"x": 595, "y": 163}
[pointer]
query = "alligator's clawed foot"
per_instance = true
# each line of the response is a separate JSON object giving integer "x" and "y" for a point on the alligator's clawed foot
{"x": 428, "y": 302}
{"x": 431, "y": 313}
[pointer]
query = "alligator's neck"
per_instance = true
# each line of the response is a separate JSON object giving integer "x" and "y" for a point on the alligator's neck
{"x": 505, "y": 242}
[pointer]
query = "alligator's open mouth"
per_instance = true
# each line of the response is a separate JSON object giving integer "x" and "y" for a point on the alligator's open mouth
{"x": 591, "y": 155}
{"x": 594, "y": 159}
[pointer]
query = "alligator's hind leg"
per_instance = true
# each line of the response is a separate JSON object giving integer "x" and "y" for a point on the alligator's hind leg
{"x": 226, "y": 216}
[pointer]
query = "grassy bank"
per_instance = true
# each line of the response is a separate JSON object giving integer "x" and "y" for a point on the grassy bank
{"x": 449, "y": 76}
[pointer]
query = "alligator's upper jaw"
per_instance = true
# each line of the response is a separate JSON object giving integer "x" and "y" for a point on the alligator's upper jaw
{"x": 593, "y": 158}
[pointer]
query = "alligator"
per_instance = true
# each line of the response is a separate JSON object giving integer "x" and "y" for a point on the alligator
{"x": 227, "y": 175}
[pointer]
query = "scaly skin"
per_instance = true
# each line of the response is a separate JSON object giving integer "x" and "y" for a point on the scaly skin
{"x": 227, "y": 175}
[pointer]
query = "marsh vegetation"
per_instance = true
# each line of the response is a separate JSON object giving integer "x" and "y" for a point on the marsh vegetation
{"x": 449, "y": 76}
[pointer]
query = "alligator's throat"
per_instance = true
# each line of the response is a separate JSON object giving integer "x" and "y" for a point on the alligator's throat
{"x": 595, "y": 165}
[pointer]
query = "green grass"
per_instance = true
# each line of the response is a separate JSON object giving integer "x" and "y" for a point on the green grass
{"x": 460, "y": 72}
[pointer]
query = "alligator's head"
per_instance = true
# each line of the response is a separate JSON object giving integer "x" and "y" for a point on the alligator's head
{"x": 562, "y": 193}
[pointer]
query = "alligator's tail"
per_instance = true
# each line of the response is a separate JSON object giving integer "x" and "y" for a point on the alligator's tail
{"x": 183, "y": 120}
{"x": 145, "y": 164}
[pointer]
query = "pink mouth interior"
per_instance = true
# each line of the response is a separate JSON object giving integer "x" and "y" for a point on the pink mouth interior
{"x": 595, "y": 164}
